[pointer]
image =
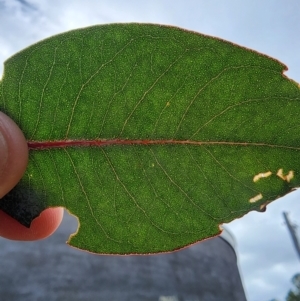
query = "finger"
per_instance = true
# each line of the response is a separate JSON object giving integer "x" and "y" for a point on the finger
{"x": 13, "y": 154}
{"x": 41, "y": 227}
{"x": 13, "y": 162}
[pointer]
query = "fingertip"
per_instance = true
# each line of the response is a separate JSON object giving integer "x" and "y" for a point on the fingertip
{"x": 41, "y": 227}
{"x": 13, "y": 154}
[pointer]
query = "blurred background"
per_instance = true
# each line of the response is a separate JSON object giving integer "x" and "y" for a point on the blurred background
{"x": 267, "y": 258}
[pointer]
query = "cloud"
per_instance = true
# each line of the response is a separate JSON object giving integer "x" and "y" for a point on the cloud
{"x": 25, "y": 4}
{"x": 19, "y": 28}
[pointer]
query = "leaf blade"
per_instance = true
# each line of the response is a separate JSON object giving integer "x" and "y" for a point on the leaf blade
{"x": 186, "y": 105}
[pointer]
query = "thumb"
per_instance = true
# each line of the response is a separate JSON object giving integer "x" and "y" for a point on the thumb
{"x": 13, "y": 154}
{"x": 13, "y": 162}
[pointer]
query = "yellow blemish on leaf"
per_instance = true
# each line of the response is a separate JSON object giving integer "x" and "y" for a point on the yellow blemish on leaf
{"x": 168, "y": 103}
{"x": 290, "y": 175}
{"x": 287, "y": 177}
{"x": 256, "y": 198}
{"x": 262, "y": 175}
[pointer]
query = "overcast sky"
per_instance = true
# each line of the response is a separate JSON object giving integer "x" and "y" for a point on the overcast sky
{"x": 265, "y": 251}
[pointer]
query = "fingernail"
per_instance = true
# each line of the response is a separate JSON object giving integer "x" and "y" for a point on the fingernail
{"x": 3, "y": 153}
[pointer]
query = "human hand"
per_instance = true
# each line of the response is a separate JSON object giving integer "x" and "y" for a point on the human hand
{"x": 13, "y": 162}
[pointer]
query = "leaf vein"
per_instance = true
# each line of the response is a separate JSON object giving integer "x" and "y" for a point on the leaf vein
{"x": 148, "y": 91}
{"x": 179, "y": 187}
{"x": 228, "y": 172}
{"x": 87, "y": 81}
{"x": 42, "y": 95}
{"x": 87, "y": 198}
{"x": 131, "y": 196}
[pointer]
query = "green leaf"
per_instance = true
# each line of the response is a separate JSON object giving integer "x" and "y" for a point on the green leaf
{"x": 151, "y": 135}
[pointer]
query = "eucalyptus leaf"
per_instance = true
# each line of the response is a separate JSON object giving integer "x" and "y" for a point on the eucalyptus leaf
{"x": 151, "y": 135}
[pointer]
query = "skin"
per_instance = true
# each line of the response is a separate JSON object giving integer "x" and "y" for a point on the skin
{"x": 13, "y": 162}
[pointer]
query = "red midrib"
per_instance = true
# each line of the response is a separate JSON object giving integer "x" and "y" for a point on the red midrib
{"x": 36, "y": 145}
{"x": 103, "y": 142}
